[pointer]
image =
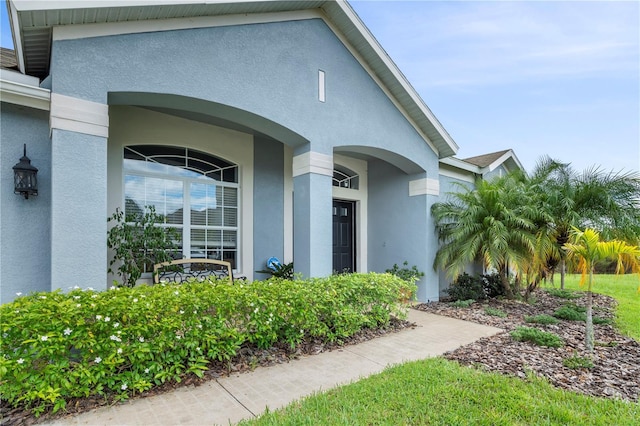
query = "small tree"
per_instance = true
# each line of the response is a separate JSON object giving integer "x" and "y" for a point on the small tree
{"x": 585, "y": 248}
{"x": 138, "y": 242}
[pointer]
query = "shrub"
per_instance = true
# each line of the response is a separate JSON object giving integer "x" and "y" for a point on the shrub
{"x": 570, "y": 313}
{"x": 462, "y": 303}
{"x": 564, "y": 294}
{"x": 466, "y": 287}
{"x": 576, "y": 361}
{"x": 408, "y": 274}
{"x": 492, "y": 285}
{"x": 495, "y": 312}
{"x": 541, "y": 319}
{"x": 124, "y": 341}
{"x": 537, "y": 337}
{"x": 137, "y": 243}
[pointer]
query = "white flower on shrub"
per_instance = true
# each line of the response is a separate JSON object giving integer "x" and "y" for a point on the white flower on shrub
{"x": 43, "y": 297}
{"x": 44, "y": 338}
{"x": 178, "y": 337}
{"x": 181, "y": 312}
{"x": 146, "y": 370}
{"x": 98, "y": 360}
{"x": 107, "y": 319}
{"x": 135, "y": 300}
{"x": 124, "y": 386}
{"x": 116, "y": 325}
{"x": 67, "y": 331}
{"x": 176, "y": 293}
{"x": 78, "y": 305}
{"x": 141, "y": 339}
{"x": 119, "y": 350}
{"x": 76, "y": 297}
{"x": 20, "y": 361}
{"x": 98, "y": 317}
{"x": 115, "y": 338}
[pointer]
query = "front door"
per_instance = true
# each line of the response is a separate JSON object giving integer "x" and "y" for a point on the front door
{"x": 344, "y": 236}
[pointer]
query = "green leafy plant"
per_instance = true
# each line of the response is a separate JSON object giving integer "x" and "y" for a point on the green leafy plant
{"x": 113, "y": 344}
{"x": 541, "y": 319}
{"x": 576, "y": 361}
{"x": 495, "y": 312}
{"x": 462, "y": 303}
{"x": 466, "y": 287}
{"x": 412, "y": 274}
{"x": 570, "y": 313}
{"x": 537, "y": 337}
{"x": 137, "y": 242}
{"x": 564, "y": 294}
{"x": 284, "y": 271}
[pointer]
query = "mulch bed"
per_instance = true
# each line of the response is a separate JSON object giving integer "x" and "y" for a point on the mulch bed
{"x": 616, "y": 358}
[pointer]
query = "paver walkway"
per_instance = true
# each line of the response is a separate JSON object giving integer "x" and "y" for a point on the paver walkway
{"x": 241, "y": 396}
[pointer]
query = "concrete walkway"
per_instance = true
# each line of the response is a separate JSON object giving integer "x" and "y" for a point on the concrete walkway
{"x": 241, "y": 396}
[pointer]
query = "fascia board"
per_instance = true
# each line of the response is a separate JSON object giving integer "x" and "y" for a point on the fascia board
{"x": 460, "y": 164}
{"x": 14, "y": 23}
{"x": 25, "y": 95}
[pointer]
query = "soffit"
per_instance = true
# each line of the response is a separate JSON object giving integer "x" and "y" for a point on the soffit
{"x": 36, "y": 20}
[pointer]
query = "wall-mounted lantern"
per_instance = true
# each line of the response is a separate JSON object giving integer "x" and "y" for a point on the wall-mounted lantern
{"x": 25, "y": 176}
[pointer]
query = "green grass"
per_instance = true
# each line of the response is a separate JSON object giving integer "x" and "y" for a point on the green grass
{"x": 624, "y": 288}
{"x": 440, "y": 392}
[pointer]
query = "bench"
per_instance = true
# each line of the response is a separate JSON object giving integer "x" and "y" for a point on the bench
{"x": 182, "y": 270}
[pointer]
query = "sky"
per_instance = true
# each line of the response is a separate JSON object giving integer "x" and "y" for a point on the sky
{"x": 556, "y": 78}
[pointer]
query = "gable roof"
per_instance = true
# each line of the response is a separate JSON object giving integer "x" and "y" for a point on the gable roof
{"x": 485, "y": 163}
{"x": 486, "y": 159}
{"x": 32, "y": 23}
{"x": 8, "y": 58}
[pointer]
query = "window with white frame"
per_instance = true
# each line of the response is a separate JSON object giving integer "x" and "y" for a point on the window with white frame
{"x": 196, "y": 193}
{"x": 345, "y": 178}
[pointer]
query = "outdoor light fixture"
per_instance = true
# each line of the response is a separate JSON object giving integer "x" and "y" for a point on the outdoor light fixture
{"x": 24, "y": 176}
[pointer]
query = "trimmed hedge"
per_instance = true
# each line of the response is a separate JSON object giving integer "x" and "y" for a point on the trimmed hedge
{"x": 124, "y": 341}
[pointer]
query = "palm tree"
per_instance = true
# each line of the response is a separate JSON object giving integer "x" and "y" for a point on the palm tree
{"x": 606, "y": 201}
{"x": 586, "y": 249}
{"x": 494, "y": 223}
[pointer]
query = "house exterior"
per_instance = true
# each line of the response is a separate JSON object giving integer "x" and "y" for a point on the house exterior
{"x": 258, "y": 129}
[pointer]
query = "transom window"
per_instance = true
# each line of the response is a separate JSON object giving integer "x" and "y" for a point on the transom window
{"x": 196, "y": 193}
{"x": 345, "y": 178}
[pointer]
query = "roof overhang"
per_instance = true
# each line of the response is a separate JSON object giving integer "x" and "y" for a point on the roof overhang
{"x": 33, "y": 21}
{"x": 509, "y": 160}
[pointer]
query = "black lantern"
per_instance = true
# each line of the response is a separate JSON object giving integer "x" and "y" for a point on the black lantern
{"x": 24, "y": 176}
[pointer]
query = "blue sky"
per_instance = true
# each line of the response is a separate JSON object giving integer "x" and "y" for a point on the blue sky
{"x": 560, "y": 78}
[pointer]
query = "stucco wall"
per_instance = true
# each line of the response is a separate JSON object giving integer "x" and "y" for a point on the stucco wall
{"x": 25, "y": 237}
{"x": 269, "y": 70}
{"x": 268, "y": 204}
{"x": 399, "y": 229}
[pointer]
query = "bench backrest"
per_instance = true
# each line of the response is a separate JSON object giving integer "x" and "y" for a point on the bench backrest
{"x": 204, "y": 268}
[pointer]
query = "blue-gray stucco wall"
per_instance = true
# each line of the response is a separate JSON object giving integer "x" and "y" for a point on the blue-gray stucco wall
{"x": 268, "y": 202}
{"x": 270, "y": 70}
{"x": 25, "y": 237}
{"x": 399, "y": 229}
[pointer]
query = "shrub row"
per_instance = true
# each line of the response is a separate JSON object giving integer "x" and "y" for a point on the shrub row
{"x": 58, "y": 346}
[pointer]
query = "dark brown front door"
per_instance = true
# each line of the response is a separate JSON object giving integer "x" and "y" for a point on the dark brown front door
{"x": 344, "y": 236}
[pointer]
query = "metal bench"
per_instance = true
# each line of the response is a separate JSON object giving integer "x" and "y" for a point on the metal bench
{"x": 182, "y": 270}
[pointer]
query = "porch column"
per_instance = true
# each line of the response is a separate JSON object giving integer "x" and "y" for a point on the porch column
{"x": 79, "y": 131}
{"x": 312, "y": 223}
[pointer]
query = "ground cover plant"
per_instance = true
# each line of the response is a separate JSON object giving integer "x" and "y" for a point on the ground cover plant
{"x": 114, "y": 344}
{"x": 624, "y": 288}
{"x": 437, "y": 391}
{"x": 616, "y": 357}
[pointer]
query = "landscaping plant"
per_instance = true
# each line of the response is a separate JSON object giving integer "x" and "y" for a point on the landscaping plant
{"x": 113, "y": 344}
{"x": 137, "y": 243}
{"x": 537, "y": 337}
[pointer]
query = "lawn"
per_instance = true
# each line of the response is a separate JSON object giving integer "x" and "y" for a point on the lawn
{"x": 440, "y": 392}
{"x": 623, "y": 288}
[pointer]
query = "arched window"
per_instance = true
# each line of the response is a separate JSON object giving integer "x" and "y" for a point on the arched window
{"x": 345, "y": 178}
{"x": 195, "y": 192}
